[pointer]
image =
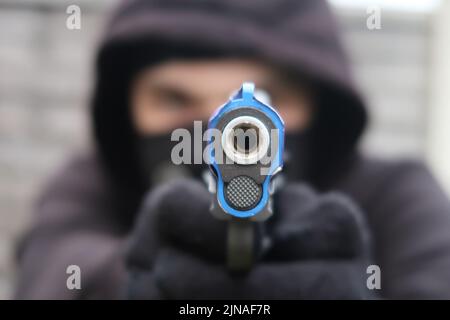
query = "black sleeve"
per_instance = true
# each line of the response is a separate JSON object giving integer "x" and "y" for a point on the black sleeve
{"x": 70, "y": 227}
{"x": 410, "y": 218}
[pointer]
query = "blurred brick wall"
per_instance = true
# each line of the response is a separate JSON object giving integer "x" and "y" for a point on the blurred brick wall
{"x": 44, "y": 84}
{"x": 45, "y": 78}
{"x": 392, "y": 68}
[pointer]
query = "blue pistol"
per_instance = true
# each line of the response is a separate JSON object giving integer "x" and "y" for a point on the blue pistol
{"x": 246, "y": 137}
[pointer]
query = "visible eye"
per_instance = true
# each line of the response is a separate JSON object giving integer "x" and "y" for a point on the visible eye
{"x": 173, "y": 100}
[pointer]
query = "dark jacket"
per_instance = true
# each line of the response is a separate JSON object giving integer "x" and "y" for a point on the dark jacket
{"x": 87, "y": 210}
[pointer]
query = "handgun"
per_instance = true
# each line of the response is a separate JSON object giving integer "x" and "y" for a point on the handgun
{"x": 246, "y": 155}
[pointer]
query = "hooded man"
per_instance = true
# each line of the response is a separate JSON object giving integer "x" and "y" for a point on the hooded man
{"x": 134, "y": 232}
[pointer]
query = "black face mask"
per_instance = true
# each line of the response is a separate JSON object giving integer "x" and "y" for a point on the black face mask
{"x": 295, "y": 156}
{"x": 156, "y": 166}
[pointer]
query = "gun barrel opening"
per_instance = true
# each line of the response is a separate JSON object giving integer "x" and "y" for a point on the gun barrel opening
{"x": 245, "y": 140}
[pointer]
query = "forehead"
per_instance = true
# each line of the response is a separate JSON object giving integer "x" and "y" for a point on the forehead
{"x": 216, "y": 76}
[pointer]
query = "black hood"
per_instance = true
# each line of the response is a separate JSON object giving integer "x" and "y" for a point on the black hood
{"x": 300, "y": 36}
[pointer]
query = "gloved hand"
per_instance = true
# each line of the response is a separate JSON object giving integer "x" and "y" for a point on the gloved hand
{"x": 177, "y": 250}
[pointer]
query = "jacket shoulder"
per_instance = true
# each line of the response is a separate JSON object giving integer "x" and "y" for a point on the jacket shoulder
{"x": 409, "y": 216}
{"x": 82, "y": 173}
{"x": 370, "y": 178}
{"x": 79, "y": 191}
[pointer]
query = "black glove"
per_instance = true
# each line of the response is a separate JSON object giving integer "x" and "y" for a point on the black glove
{"x": 319, "y": 248}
